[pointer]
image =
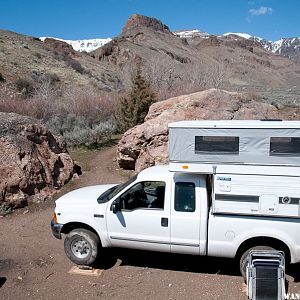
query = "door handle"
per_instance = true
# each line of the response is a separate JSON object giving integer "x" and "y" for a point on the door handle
{"x": 164, "y": 222}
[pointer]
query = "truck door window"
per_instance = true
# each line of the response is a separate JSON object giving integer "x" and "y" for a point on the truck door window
{"x": 185, "y": 196}
{"x": 146, "y": 194}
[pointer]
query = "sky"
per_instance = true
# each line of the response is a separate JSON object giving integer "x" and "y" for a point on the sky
{"x": 83, "y": 19}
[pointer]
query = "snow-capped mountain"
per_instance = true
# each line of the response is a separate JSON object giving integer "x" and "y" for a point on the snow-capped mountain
{"x": 286, "y": 46}
{"x": 289, "y": 47}
{"x": 190, "y": 33}
{"x": 83, "y": 45}
{"x": 282, "y": 44}
{"x": 243, "y": 35}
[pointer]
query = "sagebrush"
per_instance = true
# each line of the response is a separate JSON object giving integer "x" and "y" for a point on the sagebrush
{"x": 82, "y": 115}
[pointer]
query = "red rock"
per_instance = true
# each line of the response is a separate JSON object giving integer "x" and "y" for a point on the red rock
{"x": 139, "y": 20}
{"x": 33, "y": 163}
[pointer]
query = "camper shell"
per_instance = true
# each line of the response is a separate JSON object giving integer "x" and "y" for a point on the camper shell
{"x": 254, "y": 165}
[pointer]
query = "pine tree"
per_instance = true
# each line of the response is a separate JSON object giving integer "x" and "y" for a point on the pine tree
{"x": 134, "y": 107}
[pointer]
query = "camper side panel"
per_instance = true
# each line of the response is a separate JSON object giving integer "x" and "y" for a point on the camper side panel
{"x": 257, "y": 195}
{"x": 238, "y": 146}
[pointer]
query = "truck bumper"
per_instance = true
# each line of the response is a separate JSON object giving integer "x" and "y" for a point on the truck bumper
{"x": 56, "y": 229}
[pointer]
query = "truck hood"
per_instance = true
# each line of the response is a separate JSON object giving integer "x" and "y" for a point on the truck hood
{"x": 83, "y": 196}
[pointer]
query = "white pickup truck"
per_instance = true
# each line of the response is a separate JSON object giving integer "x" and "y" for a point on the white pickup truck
{"x": 212, "y": 209}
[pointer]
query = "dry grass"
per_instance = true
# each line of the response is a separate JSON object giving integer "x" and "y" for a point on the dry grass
{"x": 83, "y": 116}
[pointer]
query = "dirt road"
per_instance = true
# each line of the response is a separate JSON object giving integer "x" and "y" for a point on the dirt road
{"x": 33, "y": 264}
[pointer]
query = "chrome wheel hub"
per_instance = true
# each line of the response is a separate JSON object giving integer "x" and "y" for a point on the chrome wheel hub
{"x": 80, "y": 248}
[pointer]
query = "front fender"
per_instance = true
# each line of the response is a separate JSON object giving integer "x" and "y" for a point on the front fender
{"x": 93, "y": 224}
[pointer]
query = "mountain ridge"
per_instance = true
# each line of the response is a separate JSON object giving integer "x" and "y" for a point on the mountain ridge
{"x": 289, "y": 47}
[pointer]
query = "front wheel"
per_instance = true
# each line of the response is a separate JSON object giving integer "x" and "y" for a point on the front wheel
{"x": 82, "y": 246}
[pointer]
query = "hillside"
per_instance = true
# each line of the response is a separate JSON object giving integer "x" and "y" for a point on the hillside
{"x": 29, "y": 58}
{"x": 173, "y": 64}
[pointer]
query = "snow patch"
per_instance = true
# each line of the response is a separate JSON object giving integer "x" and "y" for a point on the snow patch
{"x": 82, "y": 45}
{"x": 190, "y": 33}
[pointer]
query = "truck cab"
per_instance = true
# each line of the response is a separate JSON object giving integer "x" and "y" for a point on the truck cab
{"x": 156, "y": 210}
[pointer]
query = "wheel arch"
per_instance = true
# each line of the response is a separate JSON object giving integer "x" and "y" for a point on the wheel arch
{"x": 75, "y": 225}
{"x": 264, "y": 241}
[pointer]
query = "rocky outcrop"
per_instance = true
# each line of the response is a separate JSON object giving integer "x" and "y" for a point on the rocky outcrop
{"x": 139, "y": 20}
{"x": 33, "y": 163}
{"x": 60, "y": 46}
{"x": 147, "y": 144}
{"x": 211, "y": 41}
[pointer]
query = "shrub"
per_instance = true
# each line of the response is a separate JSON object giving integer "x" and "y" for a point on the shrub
{"x": 38, "y": 55}
{"x": 18, "y": 105}
{"x": 90, "y": 104}
{"x": 76, "y": 130}
{"x": 66, "y": 124}
{"x": 51, "y": 78}
{"x": 60, "y": 55}
{"x": 25, "y": 87}
{"x": 74, "y": 64}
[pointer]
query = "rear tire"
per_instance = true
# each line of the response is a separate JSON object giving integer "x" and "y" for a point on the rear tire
{"x": 82, "y": 246}
{"x": 244, "y": 259}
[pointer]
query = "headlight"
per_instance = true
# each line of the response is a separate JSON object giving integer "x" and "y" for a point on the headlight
{"x": 54, "y": 218}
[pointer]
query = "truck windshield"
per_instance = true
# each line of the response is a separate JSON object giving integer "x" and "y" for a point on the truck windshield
{"x": 113, "y": 191}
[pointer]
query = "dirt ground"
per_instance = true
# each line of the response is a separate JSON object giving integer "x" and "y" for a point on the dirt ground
{"x": 33, "y": 264}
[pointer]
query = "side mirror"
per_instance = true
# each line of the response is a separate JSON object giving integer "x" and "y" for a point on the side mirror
{"x": 115, "y": 207}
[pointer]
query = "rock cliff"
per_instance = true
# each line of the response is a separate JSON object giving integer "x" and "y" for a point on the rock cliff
{"x": 144, "y": 21}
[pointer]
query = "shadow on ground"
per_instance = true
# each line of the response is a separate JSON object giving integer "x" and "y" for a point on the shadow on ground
{"x": 2, "y": 281}
{"x": 167, "y": 261}
{"x": 177, "y": 262}
{"x": 294, "y": 271}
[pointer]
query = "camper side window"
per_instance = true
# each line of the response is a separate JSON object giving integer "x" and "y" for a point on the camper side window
{"x": 289, "y": 146}
{"x": 217, "y": 144}
{"x": 185, "y": 196}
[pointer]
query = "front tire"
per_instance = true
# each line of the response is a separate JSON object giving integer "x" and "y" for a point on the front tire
{"x": 82, "y": 246}
{"x": 244, "y": 259}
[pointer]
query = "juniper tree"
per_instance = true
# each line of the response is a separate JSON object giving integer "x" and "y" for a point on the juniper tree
{"x": 134, "y": 107}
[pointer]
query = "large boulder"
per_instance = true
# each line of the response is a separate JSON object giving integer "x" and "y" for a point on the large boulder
{"x": 33, "y": 163}
{"x": 147, "y": 144}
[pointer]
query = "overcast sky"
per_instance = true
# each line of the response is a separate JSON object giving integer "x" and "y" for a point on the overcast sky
{"x": 79, "y": 19}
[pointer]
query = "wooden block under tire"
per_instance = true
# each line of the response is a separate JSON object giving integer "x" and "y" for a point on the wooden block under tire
{"x": 75, "y": 270}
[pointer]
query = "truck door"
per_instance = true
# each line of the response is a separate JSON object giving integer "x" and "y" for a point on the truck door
{"x": 142, "y": 220}
{"x": 185, "y": 215}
